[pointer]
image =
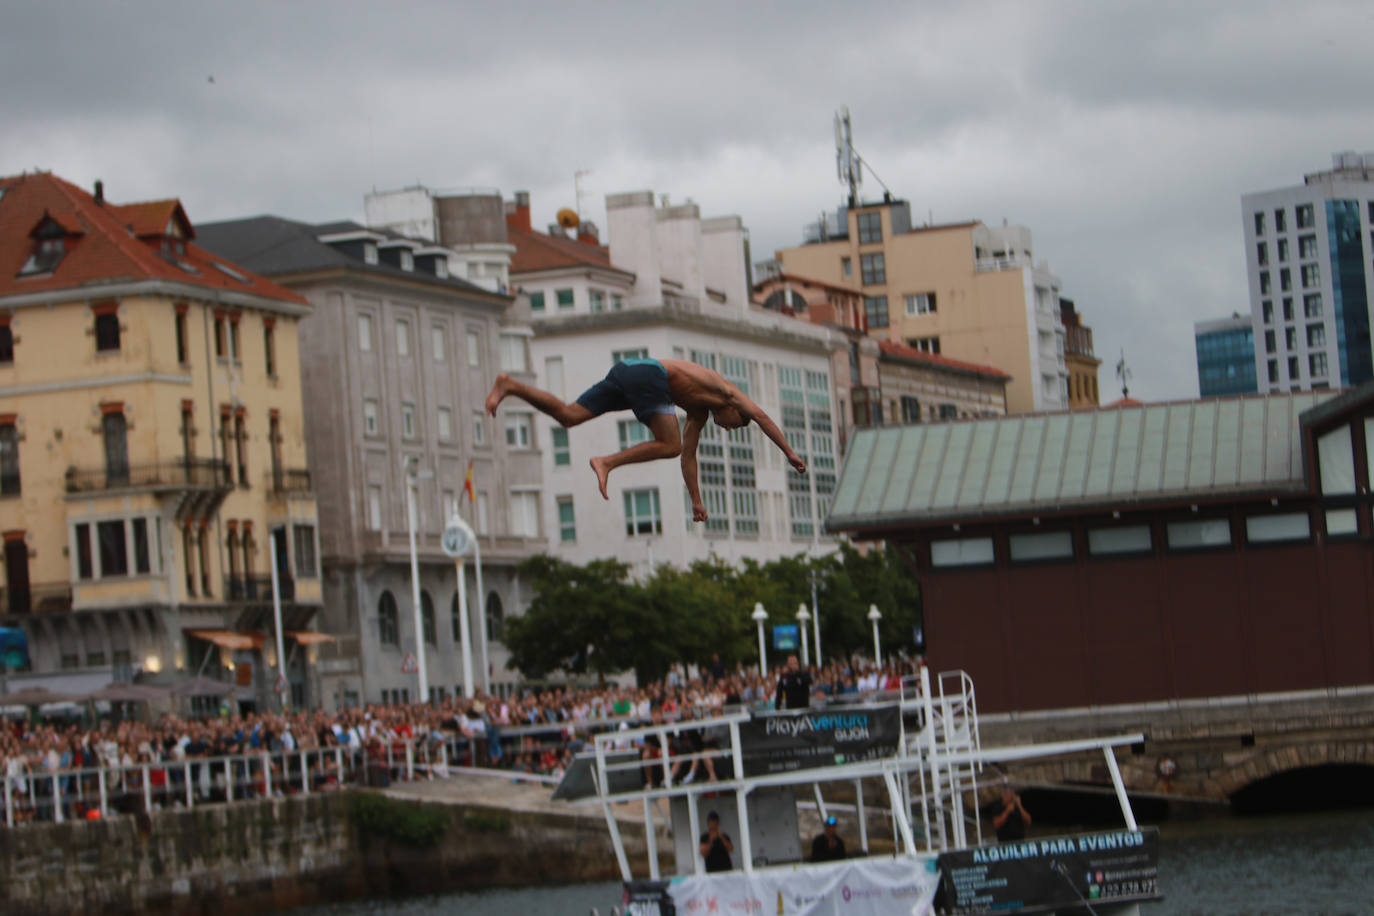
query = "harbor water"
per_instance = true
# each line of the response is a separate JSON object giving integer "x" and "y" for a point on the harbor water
{"x": 1280, "y": 864}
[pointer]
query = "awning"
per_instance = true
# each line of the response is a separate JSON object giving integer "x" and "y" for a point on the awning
{"x": 310, "y": 637}
{"x": 228, "y": 639}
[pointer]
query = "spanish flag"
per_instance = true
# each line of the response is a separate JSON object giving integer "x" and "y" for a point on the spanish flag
{"x": 467, "y": 486}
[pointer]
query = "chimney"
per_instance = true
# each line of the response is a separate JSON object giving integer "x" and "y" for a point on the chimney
{"x": 520, "y": 219}
{"x": 100, "y": 192}
{"x": 588, "y": 234}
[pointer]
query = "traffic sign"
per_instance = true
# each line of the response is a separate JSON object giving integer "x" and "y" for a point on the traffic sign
{"x": 458, "y": 539}
{"x": 409, "y": 665}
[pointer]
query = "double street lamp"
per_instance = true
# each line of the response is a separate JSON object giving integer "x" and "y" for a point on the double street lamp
{"x": 759, "y": 616}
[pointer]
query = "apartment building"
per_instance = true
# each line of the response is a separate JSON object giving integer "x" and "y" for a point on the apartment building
{"x": 964, "y": 290}
{"x": 398, "y": 356}
{"x": 1225, "y": 356}
{"x": 1310, "y": 275}
{"x": 152, "y": 450}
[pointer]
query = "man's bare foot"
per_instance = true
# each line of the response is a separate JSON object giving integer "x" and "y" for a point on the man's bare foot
{"x": 602, "y": 468}
{"x": 499, "y": 390}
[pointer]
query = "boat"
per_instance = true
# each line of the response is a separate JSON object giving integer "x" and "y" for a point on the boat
{"x": 922, "y": 849}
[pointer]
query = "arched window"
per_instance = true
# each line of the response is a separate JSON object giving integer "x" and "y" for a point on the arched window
{"x": 387, "y": 627}
{"x": 455, "y": 621}
{"x": 496, "y": 618}
{"x": 427, "y": 618}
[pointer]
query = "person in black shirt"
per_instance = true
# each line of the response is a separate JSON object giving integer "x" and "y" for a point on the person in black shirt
{"x": 715, "y": 845}
{"x": 794, "y": 687}
{"x": 828, "y": 846}
{"x": 1012, "y": 819}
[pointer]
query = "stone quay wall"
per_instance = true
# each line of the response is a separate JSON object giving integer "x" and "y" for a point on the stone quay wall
{"x": 259, "y": 856}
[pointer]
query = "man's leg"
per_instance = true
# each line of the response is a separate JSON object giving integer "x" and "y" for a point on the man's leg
{"x": 566, "y": 414}
{"x": 667, "y": 443}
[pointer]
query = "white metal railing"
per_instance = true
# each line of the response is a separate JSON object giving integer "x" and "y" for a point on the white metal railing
{"x": 983, "y": 265}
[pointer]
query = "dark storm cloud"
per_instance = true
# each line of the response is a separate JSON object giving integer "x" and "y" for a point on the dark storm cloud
{"x": 1122, "y": 133}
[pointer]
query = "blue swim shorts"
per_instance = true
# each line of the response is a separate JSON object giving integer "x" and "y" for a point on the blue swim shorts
{"x": 640, "y": 385}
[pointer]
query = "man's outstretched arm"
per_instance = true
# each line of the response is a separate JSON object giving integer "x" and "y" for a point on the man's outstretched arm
{"x": 691, "y": 437}
{"x": 752, "y": 411}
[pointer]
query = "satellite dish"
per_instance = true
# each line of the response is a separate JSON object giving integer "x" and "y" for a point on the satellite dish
{"x": 568, "y": 219}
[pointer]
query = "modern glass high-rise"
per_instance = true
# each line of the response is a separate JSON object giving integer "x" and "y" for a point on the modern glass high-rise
{"x": 1310, "y": 262}
{"x": 1225, "y": 356}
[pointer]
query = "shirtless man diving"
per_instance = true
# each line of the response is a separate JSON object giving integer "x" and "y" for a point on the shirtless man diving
{"x": 654, "y": 389}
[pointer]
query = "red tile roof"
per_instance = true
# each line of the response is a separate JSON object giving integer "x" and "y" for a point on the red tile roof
{"x": 102, "y": 243}
{"x": 911, "y": 353}
{"x": 540, "y": 251}
{"x": 783, "y": 277}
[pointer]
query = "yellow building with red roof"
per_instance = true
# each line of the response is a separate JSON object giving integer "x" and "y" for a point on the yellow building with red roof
{"x": 151, "y": 448}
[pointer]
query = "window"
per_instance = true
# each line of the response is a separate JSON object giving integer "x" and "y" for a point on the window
{"x": 524, "y": 514}
{"x": 1307, "y": 246}
{"x": 619, "y": 356}
{"x": 407, "y": 420}
{"x": 107, "y": 332}
{"x": 388, "y": 621}
{"x": 1049, "y": 545}
{"x": 1316, "y": 365}
{"x": 438, "y": 342}
{"x": 1200, "y": 534}
{"x": 235, "y": 351}
{"x": 1262, "y": 254}
{"x": 474, "y": 350}
{"x": 536, "y": 303}
{"x": 402, "y": 337}
{"x": 875, "y": 311}
{"x": 1311, "y": 275}
{"x": 269, "y": 348}
{"x": 961, "y": 552}
{"x": 870, "y": 228}
{"x": 370, "y": 417}
{"x": 1304, "y": 215}
{"x": 948, "y": 412}
{"x": 632, "y": 432}
{"x": 142, "y": 559}
{"x": 9, "y": 460}
{"x": 1341, "y": 522}
{"x": 911, "y": 409}
{"x": 1285, "y": 280}
{"x": 596, "y": 300}
{"x": 374, "y": 508}
{"x": 445, "y": 424}
{"x": 1287, "y": 308}
{"x": 479, "y": 428}
{"x": 617, "y": 302}
{"x": 1267, "y": 311}
{"x": 455, "y": 620}
{"x": 240, "y": 447}
{"x": 114, "y": 557}
{"x": 1273, "y": 370}
{"x": 553, "y": 375}
{"x": 221, "y": 338}
{"x": 1127, "y": 539}
{"x": 364, "y": 332}
{"x": 1312, "y": 305}
{"x": 1316, "y": 335}
{"x": 427, "y": 619}
{"x": 642, "y": 512}
{"x": 920, "y": 303}
{"x": 564, "y": 298}
{"x": 226, "y": 442}
{"x": 1270, "y": 342}
{"x": 873, "y": 268}
{"x": 846, "y": 268}
{"x": 1287, "y": 526}
{"x": 1292, "y": 368}
{"x": 1259, "y": 223}
{"x": 1280, "y": 220}
{"x": 1264, "y": 282}
{"x": 450, "y": 505}
{"x": 567, "y": 524}
{"x": 482, "y": 526}
{"x": 925, "y": 344}
{"x": 1283, "y": 250}
{"x": 562, "y": 452}
{"x": 84, "y": 569}
{"x": 513, "y": 354}
{"x": 369, "y": 252}
{"x": 180, "y": 326}
{"x": 496, "y": 618}
{"x": 1290, "y": 339}
{"x": 519, "y": 430}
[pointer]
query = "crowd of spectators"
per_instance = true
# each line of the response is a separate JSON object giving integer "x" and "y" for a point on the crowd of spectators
{"x": 536, "y": 732}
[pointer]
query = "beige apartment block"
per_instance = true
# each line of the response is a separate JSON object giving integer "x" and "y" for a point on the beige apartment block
{"x": 151, "y": 449}
{"x": 962, "y": 290}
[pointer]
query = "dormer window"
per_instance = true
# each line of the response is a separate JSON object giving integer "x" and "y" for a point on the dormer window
{"x": 370, "y": 253}
{"x": 407, "y": 260}
{"x": 441, "y": 268}
{"x": 49, "y": 247}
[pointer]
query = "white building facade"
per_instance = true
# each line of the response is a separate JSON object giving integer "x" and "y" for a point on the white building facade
{"x": 1308, "y": 263}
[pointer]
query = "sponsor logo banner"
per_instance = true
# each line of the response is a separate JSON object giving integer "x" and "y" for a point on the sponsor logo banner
{"x": 804, "y": 739}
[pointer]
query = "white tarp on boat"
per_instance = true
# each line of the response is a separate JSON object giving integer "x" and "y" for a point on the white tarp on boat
{"x": 853, "y": 887}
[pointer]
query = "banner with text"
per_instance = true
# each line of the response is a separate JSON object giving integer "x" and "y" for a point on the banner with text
{"x": 804, "y": 739}
{"x": 1052, "y": 872}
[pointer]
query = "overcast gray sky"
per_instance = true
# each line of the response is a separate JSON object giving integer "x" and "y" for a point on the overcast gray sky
{"x": 1122, "y": 133}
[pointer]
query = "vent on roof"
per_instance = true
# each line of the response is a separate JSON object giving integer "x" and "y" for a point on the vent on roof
{"x": 230, "y": 272}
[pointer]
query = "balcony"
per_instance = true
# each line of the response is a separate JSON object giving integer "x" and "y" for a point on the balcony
{"x": 990, "y": 264}
{"x": 257, "y": 588}
{"x": 36, "y": 599}
{"x": 191, "y": 474}
{"x": 289, "y": 482}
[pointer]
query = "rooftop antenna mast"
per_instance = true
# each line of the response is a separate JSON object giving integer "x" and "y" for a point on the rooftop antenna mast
{"x": 849, "y": 165}
{"x": 577, "y": 188}
{"x": 1123, "y": 372}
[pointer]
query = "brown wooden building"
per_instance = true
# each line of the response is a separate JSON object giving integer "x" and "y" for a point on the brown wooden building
{"x": 1145, "y": 553}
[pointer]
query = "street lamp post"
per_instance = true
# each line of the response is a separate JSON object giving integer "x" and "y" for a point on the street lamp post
{"x": 412, "y": 478}
{"x": 875, "y": 615}
{"x": 803, "y": 615}
{"x": 760, "y": 615}
{"x": 816, "y": 618}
